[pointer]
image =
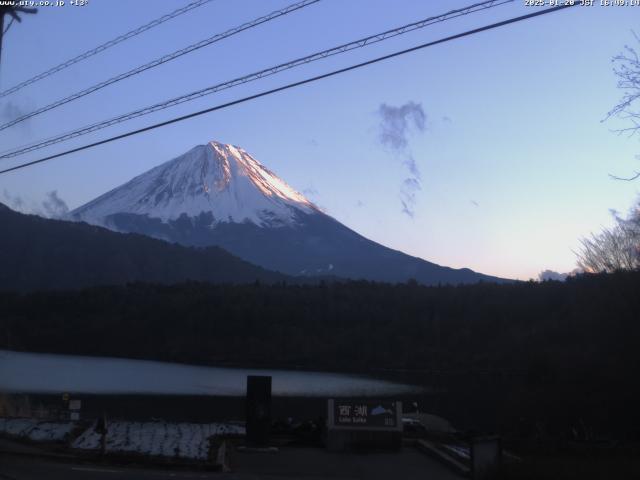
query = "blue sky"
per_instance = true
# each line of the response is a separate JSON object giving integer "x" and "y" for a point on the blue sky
{"x": 514, "y": 158}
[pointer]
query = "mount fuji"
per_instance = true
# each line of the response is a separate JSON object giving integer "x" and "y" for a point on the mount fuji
{"x": 219, "y": 195}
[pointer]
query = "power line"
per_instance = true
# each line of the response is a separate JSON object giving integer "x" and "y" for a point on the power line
{"x": 258, "y": 75}
{"x": 292, "y": 85}
{"x": 105, "y": 46}
{"x": 164, "y": 59}
{"x": 32, "y": 143}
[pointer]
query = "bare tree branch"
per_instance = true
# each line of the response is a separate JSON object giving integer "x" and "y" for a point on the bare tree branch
{"x": 626, "y": 67}
{"x": 628, "y": 179}
{"x": 613, "y": 249}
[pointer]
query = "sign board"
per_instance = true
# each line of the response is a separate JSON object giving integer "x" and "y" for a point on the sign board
{"x": 75, "y": 404}
{"x": 65, "y": 397}
{"x": 364, "y": 424}
{"x": 75, "y": 416}
{"x": 349, "y": 413}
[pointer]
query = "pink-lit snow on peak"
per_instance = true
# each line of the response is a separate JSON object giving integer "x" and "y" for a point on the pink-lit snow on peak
{"x": 217, "y": 178}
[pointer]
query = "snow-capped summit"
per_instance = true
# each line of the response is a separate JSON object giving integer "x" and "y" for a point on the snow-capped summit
{"x": 215, "y": 178}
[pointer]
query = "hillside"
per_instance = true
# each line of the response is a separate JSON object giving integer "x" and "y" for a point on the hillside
{"x": 43, "y": 254}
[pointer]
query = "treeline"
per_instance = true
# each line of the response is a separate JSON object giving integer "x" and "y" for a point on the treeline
{"x": 580, "y": 336}
{"x": 590, "y": 322}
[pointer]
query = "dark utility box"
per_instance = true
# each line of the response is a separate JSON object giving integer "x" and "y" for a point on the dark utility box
{"x": 258, "y": 410}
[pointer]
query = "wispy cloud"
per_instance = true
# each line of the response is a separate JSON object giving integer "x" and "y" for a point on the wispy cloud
{"x": 410, "y": 187}
{"x": 51, "y": 207}
{"x": 560, "y": 277}
{"x": 552, "y": 275}
{"x": 10, "y": 110}
{"x": 54, "y": 206}
{"x": 310, "y": 192}
{"x": 15, "y": 202}
{"x": 397, "y": 123}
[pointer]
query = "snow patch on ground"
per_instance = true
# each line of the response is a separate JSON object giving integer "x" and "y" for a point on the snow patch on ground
{"x": 50, "y": 431}
{"x": 17, "y": 426}
{"x": 184, "y": 440}
{"x": 36, "y": 430}
{"x": 458, "y": 450}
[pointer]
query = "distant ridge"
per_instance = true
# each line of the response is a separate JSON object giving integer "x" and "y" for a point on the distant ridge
{"x": 43, "y": 254}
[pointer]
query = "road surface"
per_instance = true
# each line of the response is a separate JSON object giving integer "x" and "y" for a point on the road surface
{"x": 299, "y": 463}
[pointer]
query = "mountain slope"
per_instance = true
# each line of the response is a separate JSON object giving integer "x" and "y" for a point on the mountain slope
{"x": 218, "y": 194}
{"x": 42, "y": 254}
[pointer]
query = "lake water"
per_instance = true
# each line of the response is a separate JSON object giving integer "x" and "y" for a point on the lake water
{"x": 47, "y": 373}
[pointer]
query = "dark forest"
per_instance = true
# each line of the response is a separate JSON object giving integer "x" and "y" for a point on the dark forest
{"x": 551, "y": 350}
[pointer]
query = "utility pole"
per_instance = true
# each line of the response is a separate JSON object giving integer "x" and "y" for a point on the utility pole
{"x": 13, "y": 12}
